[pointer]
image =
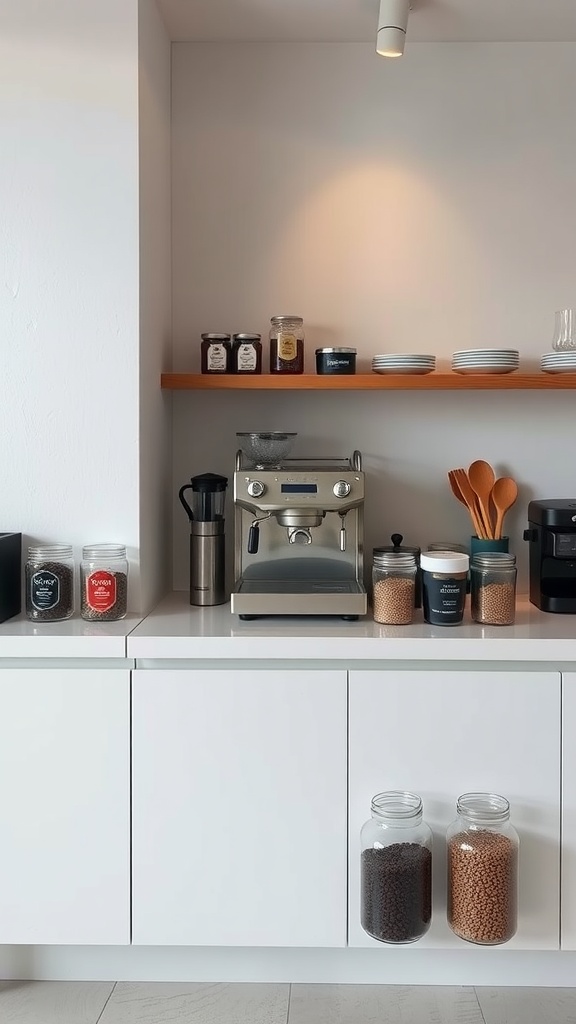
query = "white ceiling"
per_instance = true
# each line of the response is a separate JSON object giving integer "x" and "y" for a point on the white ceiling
{"x": 355, "y": 20}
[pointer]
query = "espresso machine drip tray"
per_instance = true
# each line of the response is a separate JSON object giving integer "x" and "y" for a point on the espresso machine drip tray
{"x": 346, "y": 598}
{"x": 283, "y": 587}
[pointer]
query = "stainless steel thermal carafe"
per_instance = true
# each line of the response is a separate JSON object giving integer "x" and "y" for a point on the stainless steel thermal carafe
{"x": 207, "y": 563}
{"x": 207, "y": 542}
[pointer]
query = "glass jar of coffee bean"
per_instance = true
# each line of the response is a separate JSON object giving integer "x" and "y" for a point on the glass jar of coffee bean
{"x": 103, "y": 582}
{"x": 50, "y": 582}
{"x": 483, "y": 870}
{"x": 396, "y": 869}
{"x": 493, "y": 588}
{"x": 394, "y": 587}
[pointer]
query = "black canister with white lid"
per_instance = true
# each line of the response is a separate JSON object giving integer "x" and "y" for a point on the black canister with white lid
{"x": 444, "y": 578}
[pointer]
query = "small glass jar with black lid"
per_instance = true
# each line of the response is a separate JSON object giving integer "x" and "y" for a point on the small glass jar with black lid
{"x": 482, "y": 862}
{"x": 399, "y": 547}
{"x": 396, "y": 869}
{"x": 246, "y": 353}
{"x": 50, "y": 582}
{"x": 493, "y": 588}
{"x": 215, "y": 353}
{"x": 287, "y": 344}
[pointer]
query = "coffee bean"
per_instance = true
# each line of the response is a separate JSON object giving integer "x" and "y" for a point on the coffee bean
{"x": 396, "y": 892}
{"x": 482, "y": 886}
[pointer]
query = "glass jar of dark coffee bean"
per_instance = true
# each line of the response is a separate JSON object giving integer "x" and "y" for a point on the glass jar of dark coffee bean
{"x": 103, "y": 582}
{"x": 50, "y": 582}
{"x": 396, "y": 869}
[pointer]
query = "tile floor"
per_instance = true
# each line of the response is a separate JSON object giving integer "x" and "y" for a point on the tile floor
{"x": 142, "y": 1003}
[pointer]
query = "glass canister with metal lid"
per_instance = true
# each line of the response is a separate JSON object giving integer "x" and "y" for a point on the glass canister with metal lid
{"x": 287, "y": 344}
{"x": 393, "y": 588}
{"x": 493, "y": 588}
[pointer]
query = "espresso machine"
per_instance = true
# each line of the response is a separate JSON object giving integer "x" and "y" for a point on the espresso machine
{"x": 298, "y": 532}
{"x": 551, "y": 535}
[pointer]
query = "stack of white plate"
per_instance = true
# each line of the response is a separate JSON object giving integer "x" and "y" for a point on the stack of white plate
{"x": 486, "y": 360}
{"x": 559, "y": 362}
{"x": 403, "y": 362}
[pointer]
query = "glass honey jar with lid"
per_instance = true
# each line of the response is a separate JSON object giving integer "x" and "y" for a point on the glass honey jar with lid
{"x": 287, "y": 344}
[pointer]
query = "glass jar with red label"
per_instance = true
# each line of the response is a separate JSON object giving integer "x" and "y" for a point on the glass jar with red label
{"x": 103, "y": 582}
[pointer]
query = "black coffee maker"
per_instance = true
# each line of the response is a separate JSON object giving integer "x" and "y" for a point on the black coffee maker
{"x": 551, "y": 534}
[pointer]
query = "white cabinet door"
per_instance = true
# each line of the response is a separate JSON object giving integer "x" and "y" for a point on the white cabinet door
{"x": 568, "y": 896}
{"x": 445, "y": 733}
{"x": 64, "y": 806}
{"x": 239, "y": 808}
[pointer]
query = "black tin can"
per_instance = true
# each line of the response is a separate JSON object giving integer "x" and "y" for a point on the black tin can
{"x": 336, "y": 360}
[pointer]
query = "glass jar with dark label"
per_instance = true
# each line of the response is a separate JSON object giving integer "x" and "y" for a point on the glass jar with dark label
{"x": 50, "y": 582}
{"x": 246, "y": 353}
{"x": 287, "y": 344}
{"x": 103, "y": 582}
{"x": 215, "y": 353}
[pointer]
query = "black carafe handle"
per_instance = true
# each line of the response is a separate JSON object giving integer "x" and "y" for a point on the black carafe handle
{"x": 186, "y": 487}
{"x": 253, "y": 539}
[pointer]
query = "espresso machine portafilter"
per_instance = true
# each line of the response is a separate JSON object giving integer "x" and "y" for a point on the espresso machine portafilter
{"x": 207, "y": 542}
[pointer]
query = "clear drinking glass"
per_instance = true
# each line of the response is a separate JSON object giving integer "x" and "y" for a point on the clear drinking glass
{"x": 564, "y": 330}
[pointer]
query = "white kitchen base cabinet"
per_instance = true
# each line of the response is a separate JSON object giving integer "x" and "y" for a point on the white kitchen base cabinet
{"x": 239, "y": 807}
{"x": 441, "y": 734}
{"x": 568, "y": 940}
{"x": 64, "y": 806}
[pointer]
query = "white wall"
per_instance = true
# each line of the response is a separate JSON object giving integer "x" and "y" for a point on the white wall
{"x": 155, "y": 303}
{"x": 69, "y": 270}
{"x": 419, "y": 205}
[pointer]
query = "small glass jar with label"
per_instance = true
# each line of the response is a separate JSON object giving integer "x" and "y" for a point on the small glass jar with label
{"x": 287, "y": 344}
{"x": 103, "y": 582}
{"x": 246, "y": 353}
{"x": 50, "y": 582}
{"x": 215, "y": 353}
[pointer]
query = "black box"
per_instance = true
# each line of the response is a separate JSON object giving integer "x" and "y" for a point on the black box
{"x": 10, "y": 575}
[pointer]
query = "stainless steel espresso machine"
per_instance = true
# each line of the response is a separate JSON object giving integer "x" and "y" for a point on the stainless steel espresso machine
{"x": 298, "y": 532}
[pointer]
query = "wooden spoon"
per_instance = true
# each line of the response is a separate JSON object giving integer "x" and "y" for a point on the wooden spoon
{"x": 481, "y": 477}
{"x": 504, "y": 494}
{"x": 461, "y": 488}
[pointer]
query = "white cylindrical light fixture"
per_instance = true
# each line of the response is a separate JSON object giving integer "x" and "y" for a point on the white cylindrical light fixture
{"x": 392, "y": 25}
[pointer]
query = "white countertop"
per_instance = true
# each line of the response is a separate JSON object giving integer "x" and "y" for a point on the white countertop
{"x": 73, "y": 638}
{"x": 175, "y": 630}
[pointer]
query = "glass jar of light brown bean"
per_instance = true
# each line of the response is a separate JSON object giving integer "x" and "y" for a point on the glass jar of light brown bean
{"x": 483, "y": 870}
{"x": 393, "y": 587}
{"x": 493, "y": 588}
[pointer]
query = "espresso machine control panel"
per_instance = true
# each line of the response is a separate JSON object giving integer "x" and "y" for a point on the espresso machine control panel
{"x": 272, "y": 490}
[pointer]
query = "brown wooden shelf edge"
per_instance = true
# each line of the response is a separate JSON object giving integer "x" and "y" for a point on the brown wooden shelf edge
{"x": 370, "y": 382}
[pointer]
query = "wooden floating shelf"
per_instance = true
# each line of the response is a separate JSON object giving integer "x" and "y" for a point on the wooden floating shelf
{"x": 370, "y": 382}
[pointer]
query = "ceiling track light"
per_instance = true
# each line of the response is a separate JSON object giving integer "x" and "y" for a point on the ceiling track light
{"x": 392, "y": 25}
